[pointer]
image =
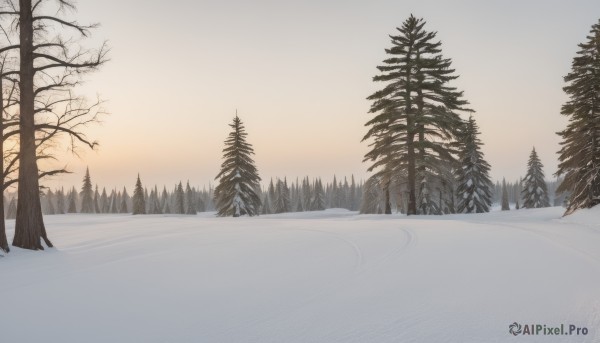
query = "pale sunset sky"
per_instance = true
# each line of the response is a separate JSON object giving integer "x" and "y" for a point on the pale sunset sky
{"x": 299, "y": 72}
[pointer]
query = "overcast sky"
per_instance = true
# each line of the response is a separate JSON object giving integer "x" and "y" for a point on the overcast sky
{"x": 298, "y": 72}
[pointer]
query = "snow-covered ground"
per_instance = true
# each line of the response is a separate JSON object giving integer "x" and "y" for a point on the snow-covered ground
{"x": 330, "y": 276}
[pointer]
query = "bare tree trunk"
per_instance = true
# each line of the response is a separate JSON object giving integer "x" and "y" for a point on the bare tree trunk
{"x": 3, "y": 241}
{"x": 412, "y": 196}
{"x": 29, "y": 224}
{"x": 388, "y": 205}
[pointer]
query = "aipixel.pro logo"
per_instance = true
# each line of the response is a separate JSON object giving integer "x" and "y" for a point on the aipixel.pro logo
{"x": 516, "y": 329}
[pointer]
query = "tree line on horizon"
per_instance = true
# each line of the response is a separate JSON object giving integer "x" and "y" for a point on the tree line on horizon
{"x": 424, "y": 153}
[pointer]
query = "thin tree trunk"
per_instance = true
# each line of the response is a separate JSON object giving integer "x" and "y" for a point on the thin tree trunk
{"x": 388, "y": 205}
{"x": 3, "y": 241}
{"x": 412, "y": 198}
{"x": 29, "y": 224}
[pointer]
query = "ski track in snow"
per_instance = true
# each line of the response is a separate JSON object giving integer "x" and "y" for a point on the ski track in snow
{"x": 329, "y": 276}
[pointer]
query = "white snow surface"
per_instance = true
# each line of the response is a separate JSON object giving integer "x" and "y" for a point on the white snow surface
{"x": 329, "y": 276}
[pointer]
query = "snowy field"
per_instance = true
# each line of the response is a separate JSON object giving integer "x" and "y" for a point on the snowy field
{"x": 330, "y": 276}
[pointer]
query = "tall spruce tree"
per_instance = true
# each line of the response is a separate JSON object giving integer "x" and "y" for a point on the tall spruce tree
{"x": 579, "y": 155}
{"x": 535, "y": 191}
{"x": 236, "y": 194}
{"x": 87, "y": 194}
{"x": 139, "y": 203}
{"x": 505, "y": 205}
{"x": 474, "y": 186}
{"x": 415, "y": 116}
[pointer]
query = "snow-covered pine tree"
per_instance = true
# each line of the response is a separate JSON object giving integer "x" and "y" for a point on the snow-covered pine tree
{"x": 189, "y": 200}
{"x": 352, "y": 195}
{"x": 282, "y": 197}
{"x": 266, "y": 205}
{"x": 60, "y": 201}
{"x": 87, "y": 194}
{"x": 236, "y": 193}
{"x": 580, "y": 153}
{"x": 164, "y": 198}
{"x": 114, "y": 201}
{"x": 474, "y": 187}
{"x": 535, "y": 191}
{"x": 272, "y": 195}
{"x": 415, "y": 114}
{"x": 50, "y": 209}
{"x": 156, "y": 204}
{"x": 104, "y": 202}
{"x": 505, "y": 206}
{"x": 123, "y": 208}
{"x": 139, "y": 203}
{"x": 97, "y": 201}
{"x": 72, "y": 201}
{"x": 318, "y": 202}
{"x": 306, "y": 194}
{"x": 179, "y": 200}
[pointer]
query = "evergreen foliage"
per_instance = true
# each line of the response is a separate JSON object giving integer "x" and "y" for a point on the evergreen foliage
{"x": 87, "y": 193}
{"x": 189, "y": 196}
{"x": 236, "y": 194}
{"x": 414, "y": 127}
{"x": 72, "y": 201}
{"x": 579, "y": 155}
{"x": 179, "y": 200}
{"x": 505, "y": 206}
{"x": 535, "y": 191}
{"x": 474, "y": 185}
{"x": 318, "y": 203}
{"x": 139, "y": 203}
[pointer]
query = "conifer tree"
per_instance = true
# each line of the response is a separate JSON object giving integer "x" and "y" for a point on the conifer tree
{"x": 505, "y": 206}
{"x": 282, "y": 199}
{"x": 272, "y": 195}
{"x": 318, "y": 203}
{"x": 124, "y": 199}
{"x": 370, "y": 203}
{"x": 352, "y": 195}
{"x": 104, "y": 202}
{"x": 535, "y": 191}
{"x": 474, "y": 186}
{"x": 266, "y": 205}
{"x": 72, "y": 201}
{"x": 179, "y": 200}
{"x": 189, "y": 196}
{"x": 238, "y": 179}
{"x": 60, "y": 201}
{"x": 139, "y": 203}
{"x": 164, "y": 200}
{"x": 306, "y": 194}
{"x": 50, "y": 209}
{"x": 97, "y": 201}
{"x": 114, "y": 200}
{"x": 87, "y": 193}
{"x": 579, "y": 155}
{"x": 415, "y": 116}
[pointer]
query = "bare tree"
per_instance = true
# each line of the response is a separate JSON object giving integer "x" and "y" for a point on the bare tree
{"x": 49, "y": 67}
